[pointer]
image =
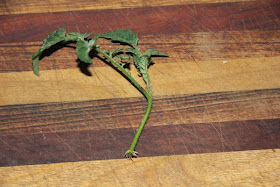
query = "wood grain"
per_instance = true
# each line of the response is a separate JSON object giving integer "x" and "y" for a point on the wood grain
{"x": 33, "y": 6}
{"x": 216, "y": 114}
{"x": 105, "y": 83}
{"x": 224, "y": 45}
{"x": 156, "y": 20}
{"x": 78, "y": 131}
{"x": 247, "y": 168}
{"x": 127, "y": 112}
{"x": 54, "y": 147}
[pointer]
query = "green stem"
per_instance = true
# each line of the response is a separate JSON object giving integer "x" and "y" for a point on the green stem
{"x": 142, "y": 125}
{"x": 148, "y": 95}
{"x": 115, "y": 63}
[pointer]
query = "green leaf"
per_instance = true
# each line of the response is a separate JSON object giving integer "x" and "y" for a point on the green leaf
{"x": 116, "y": 51}
{"x": 77, "y": 36}
{"x": 38, "y": 53}
{"x": 134, "y": 51}
{"x": 35, "y": 65}
{"x": 154, "y": 52}
{"x": 125, "y": 57}
{"x": 54, "y": 38}
{"x": 122, "y": 36}
{"x": 142, "y": 62}
{"x": 83, "y": 49}
{"x": 138, "y": 64}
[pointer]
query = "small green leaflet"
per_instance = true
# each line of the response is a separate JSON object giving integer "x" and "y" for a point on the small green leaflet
{"x": 83, "y": 49}
{"x": 75, "y": 36}
{"x": 124, "y": 36}
{"x": 35, "y": 65}
{"x": 153, "y": 52}
{"x": 134, "y": 51}
{"x": 142, "y": 62}
{"x": 116, "y": 51}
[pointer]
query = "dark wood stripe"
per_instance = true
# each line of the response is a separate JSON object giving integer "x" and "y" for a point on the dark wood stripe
{"x": 103, "y": 129}
{"x": 262, "y": 15}
{"x": 127, "y": 112}
{"x": 16, "y": 57}
{"x": 44, "y": 148}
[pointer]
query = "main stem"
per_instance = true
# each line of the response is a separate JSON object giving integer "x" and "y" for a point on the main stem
{"x": 141, "y": 126}
{"x": 148, "y": 95}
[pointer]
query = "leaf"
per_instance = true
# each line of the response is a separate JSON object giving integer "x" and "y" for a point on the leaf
{"x": 125, "y": 57}
{"x": 116, "y": 51}
{"x": 52, "y": 39}
{"x": 77, "y": 36}
{"x": 137, "y": 62}
{"x": 83, "y": 49}
{"x": 35, "y": 65}
{"x": 122, "y": 36}
{"x": 38, "y": 53}
{"x": 134, "y": 51}
{"x": 154, "y": 52}
{"x": 142, "y": 62}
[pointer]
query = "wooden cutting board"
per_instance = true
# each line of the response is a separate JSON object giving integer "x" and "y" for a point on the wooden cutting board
{"x": 216, "y": 113}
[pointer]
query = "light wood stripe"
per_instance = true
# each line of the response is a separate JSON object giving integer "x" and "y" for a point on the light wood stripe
{"x": 181, "y": 78}
{"x": 33, "y": 6}
{"x": 246, "y": 168}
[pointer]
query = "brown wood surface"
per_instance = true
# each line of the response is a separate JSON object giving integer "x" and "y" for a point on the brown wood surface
{"x": 216, "y": 113}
